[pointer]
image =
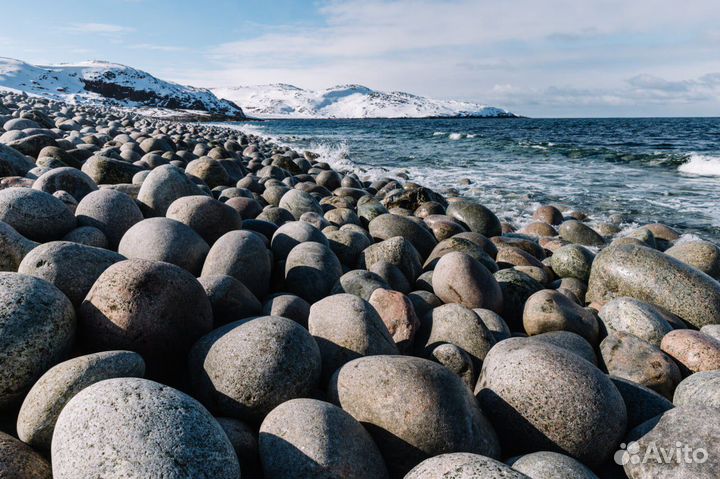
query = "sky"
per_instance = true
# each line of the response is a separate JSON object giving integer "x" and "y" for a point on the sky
{"x": 540, "y": 58}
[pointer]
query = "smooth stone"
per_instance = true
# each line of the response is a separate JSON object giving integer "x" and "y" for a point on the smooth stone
{"x": 392, "y": 275}
{"x": 692, "y": 350}
{"x": 36, "y": 215}
{"x": 15, "y": 163}
{"x": 164, "y": 239}
{"x": 311, "y": 271}
{"x": 457, "y": 360}
{"x": 13, "y": 247}
{"x": 579, "y": 233}
{"x": 359, "y": 282}
{"x": 288, "y": 306}
{"x": 644, "y": 274}
{"x": 387, "y": 226}
{"x": 423, "y": 302}
{"x": 642, "y": 403}
{"x": 88, "y": 236}
{"x": 162, "y": 186}
{"x": 699, "y": 389}
{"x": 317, "y": 440}
{"x": 569, "y": 341}
{"x": 71, "y": 267}
{"x": 575, "y": 408}
{"x": 347, "y": 327}
{"x": 50, "y": 394}
{"x": 37, "y": 330}
{"x": 548, "y": 214}
{"x": 230, "y": 299}
{"x": 298, "y": 202}
{"x": 110, "y": 211}
{"x": 229, "y": 376}
{"x": 574, "y": 285}
{"x": 711, "y": 330}
{"x": 463, "y": 465}
{"x": 539, "y": 228}
{"x": 476, "y": 217}
{"x": 694, "y": 429}
{"x": 629, "y": 357}
{"x": 397, "y": 251}
{"x": 109, "y": 171}
{"x": 138, "y": 428}
{"x": 242, "y": 255}
{"x": 411, "y": 408}
{"x": 208, "y": 217}
{"x": 461, "y": 245}
{"x": 494, "y": 323}
{"x": 244, "y": 440}
{"x": 210, "y": 171}
{"x": 397, "y": 312}
{"x": 702, "y": 255}
{"x": 20, "y": 461}
{"x": 572, "y": 261}
{"x": 292, "y": 234}
{"x": 631, "y": 316}
{"x": 74, "y": 181}
{"x": 549, "y": 310}
{"x": 547, "y": 464}
{"x": 459, "y": 278}
{"x": 154, "y": 308}
{"x": 347, "y": 245}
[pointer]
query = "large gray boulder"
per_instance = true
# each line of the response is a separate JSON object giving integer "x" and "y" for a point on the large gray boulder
{"x": 37, "y": 329}
{"x": 547, "y": 464}
{"x": 209, "y": 217}
{"x": 13, "y": 247}
{"x": 411, "y": 408}
{"x": 162, "y": 186}
{"x": 540, "y": 397}
{"x": 644, "y": 274}
{"x": 631, "y": 316}
{"x": 316, "y": 440}
{"x": 20, "y": 461}
{"x": 110, "y": 211}
{"x": 50, "y": 394}
{"x": 459, "y": 278}
{"x": 247, "y": 368}
{"x": 37, "y": 215}
{"x": 72, "y": 180}
{"x": 463, "y": 465}
{"x": 130, "y": 427}
{"x": 311, "y": 270}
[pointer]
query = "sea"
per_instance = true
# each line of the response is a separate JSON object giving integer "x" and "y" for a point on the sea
{"x": 646, "y": 169}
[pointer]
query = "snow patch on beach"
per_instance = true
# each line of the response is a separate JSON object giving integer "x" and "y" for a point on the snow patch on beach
{"x": 702, "y": 165}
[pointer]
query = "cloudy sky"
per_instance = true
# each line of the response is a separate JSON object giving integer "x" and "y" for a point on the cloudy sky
{"x": 541, "y": 58}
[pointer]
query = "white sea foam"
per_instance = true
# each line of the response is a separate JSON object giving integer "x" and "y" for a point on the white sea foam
{"x": 471, "y": 135}
{"x": 702, "y": 165}
{"x": 438, "y": 133}
{"x": 455, "y": 136}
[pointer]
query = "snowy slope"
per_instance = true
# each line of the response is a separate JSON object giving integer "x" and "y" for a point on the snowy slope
{"x": 346, "y": 101}
{"x": 110, "y": 84}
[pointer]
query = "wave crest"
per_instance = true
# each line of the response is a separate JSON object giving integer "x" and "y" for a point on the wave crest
{"x": 701, "y": 165}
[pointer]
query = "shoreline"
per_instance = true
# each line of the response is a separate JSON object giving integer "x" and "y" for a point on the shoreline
{"x": 163, "y": 276}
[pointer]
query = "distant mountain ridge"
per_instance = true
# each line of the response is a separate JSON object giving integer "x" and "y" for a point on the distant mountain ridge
{"x": 112, "y": 84}
{"x": 282, "y": 100}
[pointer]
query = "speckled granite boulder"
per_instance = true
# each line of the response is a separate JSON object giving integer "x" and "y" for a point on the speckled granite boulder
{"x": 462, "y": 465}
{"x": 317, "y": 440}
{"x": 73, "y": 268}
{"x": 635, "y": 317}
{"x": 643, "y": 273}
{"x": 549, "y": 310}
{"x": 397, "y": 251}
{"x": 546, "y": 464}
{"x": 37, "y": 330}
{"x": 111, "y": 211}
{"x": 156, "y": 309}
{"x": 540, "y": 397}
{"x": 569, "y": 341}
{"x": 13, "y": 247}
{"x": 162, "y": 186}
{"x": 476, "y": 217}
{"x": 298, "y": 202}
{"x": 702, "y": 255}
{"x": 410, "y": 406}
{"x": 311, "y": 270}
{"x": 36, "y": 215}
{"x": 42, "y": 405}
{"x": 572, "y": 261}
{"x": 692, "y": 350}
{"x": 129, "y": 427}
{"x": 388, "y": 226}
{"x": 699, "y": 389}
{"x": 72, "y": 180}
{"x": 642, "y": 403}
{"x": 229, "y": 376}
{"x": 459, "y": 278}
{"x": 207, "y": 216}
{"x": 580, "y": 233}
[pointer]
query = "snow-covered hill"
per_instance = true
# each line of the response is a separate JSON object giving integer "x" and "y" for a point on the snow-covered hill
{"x": 113, "y": 85}
{"x": 347, "y": 101}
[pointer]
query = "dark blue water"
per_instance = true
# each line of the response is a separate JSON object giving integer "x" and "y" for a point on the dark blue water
{"x": 651, "y": 169}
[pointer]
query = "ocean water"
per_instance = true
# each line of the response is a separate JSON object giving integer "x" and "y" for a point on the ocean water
{"x": 649, "y": 169}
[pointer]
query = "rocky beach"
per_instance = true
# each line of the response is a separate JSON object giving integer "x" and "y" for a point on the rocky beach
{"x": 185, "y": 300}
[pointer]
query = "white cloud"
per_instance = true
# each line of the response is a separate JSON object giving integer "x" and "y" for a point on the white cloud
{"x": 102, "y": 28}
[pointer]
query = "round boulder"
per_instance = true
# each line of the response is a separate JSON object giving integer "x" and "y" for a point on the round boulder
{"x": 459, "y": 278}
{"x": 462, "y": 465}
{"x": 207, "y": 216}
{"x": 37, "y": 215}
{"x": 311, "y": 270}
{"x": 110, "y": 211}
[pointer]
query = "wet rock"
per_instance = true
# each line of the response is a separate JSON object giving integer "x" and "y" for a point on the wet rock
{"x": 476, "y": 217}
{"x": 36, "y": 215}
{"x": 42, "y": 405}
{"x": 410, "y": 407}
{"x": 548, "y": 214}
{"x": 154, "y": 308}
{"x": 314, "y": 439}
{"x": 643, "y": 274}
{"x": 229, "y": 376}
{"x": 579, "y": 233}
{"x": 131, "y": 425}
{"x": 572, "y": 261}
{"x": 575, "y": 407}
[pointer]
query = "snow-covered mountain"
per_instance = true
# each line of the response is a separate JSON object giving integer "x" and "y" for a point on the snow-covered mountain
{"x": 111, "y": 84}
{"x": 347, "y": 101}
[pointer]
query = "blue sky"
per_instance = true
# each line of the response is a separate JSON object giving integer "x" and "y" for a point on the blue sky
{"x": 538, "y": 58}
